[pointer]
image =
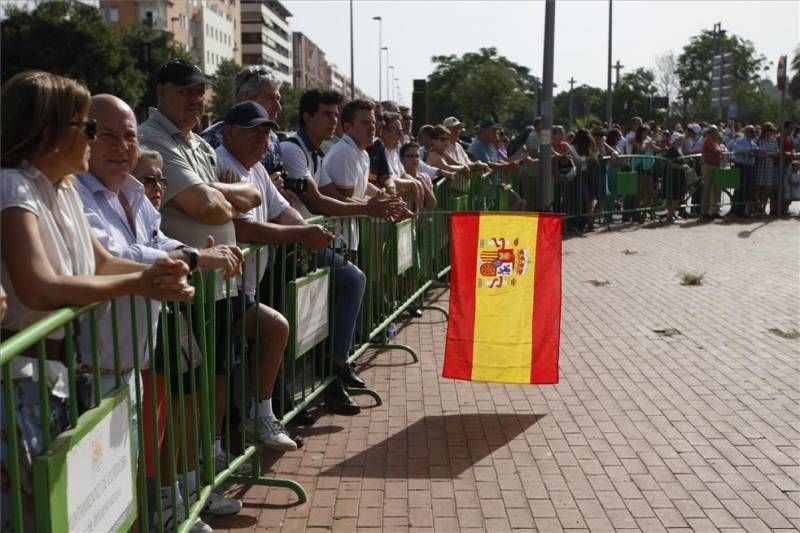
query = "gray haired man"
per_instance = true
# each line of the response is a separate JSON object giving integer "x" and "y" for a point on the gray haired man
{"x": 259, "y": 84}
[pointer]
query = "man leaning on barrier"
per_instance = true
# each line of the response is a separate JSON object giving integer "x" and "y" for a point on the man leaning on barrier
{"x": 318, "y": 116}
{"x": 198, "y": 204}
{"x": 128, "y": 226}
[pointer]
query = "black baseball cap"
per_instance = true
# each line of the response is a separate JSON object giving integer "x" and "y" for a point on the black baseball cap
{"x": 182, "y": 73}
{"x": 248, "y": 114}
{"x": 488, "y": 124}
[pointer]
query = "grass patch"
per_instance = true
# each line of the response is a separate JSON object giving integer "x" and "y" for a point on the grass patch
{"x": 692, "y": 279}
{"x": 792, "y": 335}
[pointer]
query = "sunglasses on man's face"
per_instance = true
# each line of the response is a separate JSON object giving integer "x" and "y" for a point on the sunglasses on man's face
{"x": 89, "y": 128}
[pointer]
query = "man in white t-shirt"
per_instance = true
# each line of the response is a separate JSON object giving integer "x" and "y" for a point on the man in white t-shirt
{"x": 454, "y": 149}
{"x": 246, "y": 132}
{"x": 318, "y": 116}
{"x": 636, "y": 123}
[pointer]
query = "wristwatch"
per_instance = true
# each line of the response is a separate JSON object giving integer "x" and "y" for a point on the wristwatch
{"x": 191, "y": 254}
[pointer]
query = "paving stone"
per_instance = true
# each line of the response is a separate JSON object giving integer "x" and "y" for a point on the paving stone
{"x": 643, "y": 432}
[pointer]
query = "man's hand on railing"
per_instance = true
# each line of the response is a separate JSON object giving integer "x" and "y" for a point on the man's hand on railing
{"x": 316, "y": 237}
{"x": 385, "y": 206}
{"x": 165, "y": 280}
{"x": 228, "y": 258}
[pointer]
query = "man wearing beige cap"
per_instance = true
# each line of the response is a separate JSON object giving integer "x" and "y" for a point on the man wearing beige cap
{"x": 454, "y": 149}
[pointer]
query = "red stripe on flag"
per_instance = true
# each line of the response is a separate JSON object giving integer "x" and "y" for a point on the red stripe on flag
{"x": 463, "y": 276}
{"x": 546, "y": 301}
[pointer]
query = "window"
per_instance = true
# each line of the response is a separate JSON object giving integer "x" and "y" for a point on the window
{"x": 251, "y": 38}
{"x": 110, "y": 14}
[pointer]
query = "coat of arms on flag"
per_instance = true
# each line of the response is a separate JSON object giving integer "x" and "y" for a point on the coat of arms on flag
{"x": 505, "y": 298}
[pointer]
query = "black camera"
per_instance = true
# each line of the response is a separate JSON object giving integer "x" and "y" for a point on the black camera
{"x": 297, "y": 185}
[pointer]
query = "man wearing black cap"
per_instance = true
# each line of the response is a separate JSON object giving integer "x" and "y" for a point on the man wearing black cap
{"x": 196, "y": 204}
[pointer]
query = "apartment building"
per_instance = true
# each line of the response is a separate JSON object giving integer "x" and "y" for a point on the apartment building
{"x": 267, "y": 37}
{"x": 208, "y": 29}
{"x": 311, "y": 70}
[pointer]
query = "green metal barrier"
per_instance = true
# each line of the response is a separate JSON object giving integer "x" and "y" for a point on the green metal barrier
{"x": 205, "y": 393}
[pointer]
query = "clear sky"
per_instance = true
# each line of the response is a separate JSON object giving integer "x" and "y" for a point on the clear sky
{"x": 415, "y": 30}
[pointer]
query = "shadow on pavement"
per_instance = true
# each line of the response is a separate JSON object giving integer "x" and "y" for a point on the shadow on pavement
{"x": 436, "y": 447}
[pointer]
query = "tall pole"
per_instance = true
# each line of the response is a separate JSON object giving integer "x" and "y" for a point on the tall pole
{"x": 389, "y": 76}
{"x": 571, "y": 86}
{"x": 380, "y": 55}
{"x": 718, "y": 34}
{"x": 387, "y": 71}
{"x": 352, "y": 56}
{"x": 777, "y": 210}
{"x": 609, "y": 89}
{"x": 545, "y": 181}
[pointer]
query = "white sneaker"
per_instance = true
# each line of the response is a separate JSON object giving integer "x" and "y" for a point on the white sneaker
{"x": 272, "y": 434}
{"x": 220, "y": 505}
{"x": 221, "y": 463}
{"x": 173, "y": 521}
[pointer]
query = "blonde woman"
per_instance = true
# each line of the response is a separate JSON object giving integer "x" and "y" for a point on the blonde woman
{"x": 49, "y": 257}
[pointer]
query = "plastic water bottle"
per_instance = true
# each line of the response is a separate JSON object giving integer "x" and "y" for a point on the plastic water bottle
{"x": 391, "y": 330}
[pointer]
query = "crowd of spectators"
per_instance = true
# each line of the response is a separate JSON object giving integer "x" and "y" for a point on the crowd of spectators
{"x": 98, "y": 208}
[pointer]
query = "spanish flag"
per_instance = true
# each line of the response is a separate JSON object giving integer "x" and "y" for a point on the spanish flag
{"x": 505, "y": 298}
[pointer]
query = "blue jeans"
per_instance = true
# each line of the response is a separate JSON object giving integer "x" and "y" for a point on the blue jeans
{"x": 349, "y": 285}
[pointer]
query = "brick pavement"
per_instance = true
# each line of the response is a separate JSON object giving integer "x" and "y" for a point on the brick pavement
{"x": 693, "y": 429}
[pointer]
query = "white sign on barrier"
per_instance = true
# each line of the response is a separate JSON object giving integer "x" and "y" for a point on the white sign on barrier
{"x": 405, "y": 246}
{"x": 311, "y": 311}
{"x": 99, "y": 475}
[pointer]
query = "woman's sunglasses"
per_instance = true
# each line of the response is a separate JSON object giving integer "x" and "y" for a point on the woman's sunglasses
{"x": 151, "y": 182}
{"x": 89, "y": 128}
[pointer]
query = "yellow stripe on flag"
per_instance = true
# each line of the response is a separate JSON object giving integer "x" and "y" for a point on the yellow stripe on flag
{"x": 503, "y": 325}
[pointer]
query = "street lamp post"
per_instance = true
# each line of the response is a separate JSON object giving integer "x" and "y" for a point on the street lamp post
{"x": 389, "y": 76}
{"x": 352, "y": 57}
{"x": 609, "y": 89}
{"x": 380, "y": 47}
{"x": 545, "y": 161}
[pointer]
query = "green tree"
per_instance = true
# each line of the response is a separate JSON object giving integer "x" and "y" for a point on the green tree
{"x": 587, "y": 103}
{"x": 290, "y": 102}
{"x": 694, "y": 71}
{"x": 151, "y": 48}
{"x": 632, "y": 96}
{"x": 481, "y": 85}
{"x": 223, "y": 90}
{"x": 71, "y": 39}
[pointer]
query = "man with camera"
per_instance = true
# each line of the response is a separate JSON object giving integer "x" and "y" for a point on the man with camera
{"x": 318, "y": 117}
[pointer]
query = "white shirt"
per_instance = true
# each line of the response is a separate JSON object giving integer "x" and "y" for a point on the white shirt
{"x": 347, "y": 166}
{"x": 272, "y": 205}
{"x": 65, "y": 234}
{"x": 431, "y": 171}
{"x": 393, "y": 158}
{"x": 457, "y": 153}
{"x": 144, "y": 244}
{"x": 67, "y": 242}
{"x": 629, "y": 142}
{"x": 298, "y": 163}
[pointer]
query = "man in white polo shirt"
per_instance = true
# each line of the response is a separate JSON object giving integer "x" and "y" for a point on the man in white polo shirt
{"x": 345, "y": 169}
{"x": 318, "y": 118}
